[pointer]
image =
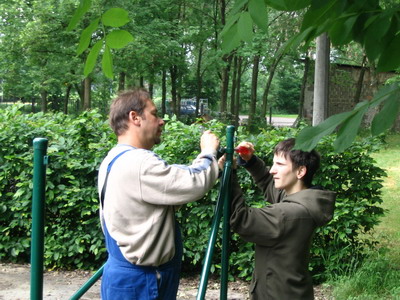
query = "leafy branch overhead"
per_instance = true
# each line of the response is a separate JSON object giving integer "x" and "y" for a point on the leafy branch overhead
{"x": 104, "y": 40}
{"x": 374, "y": 27}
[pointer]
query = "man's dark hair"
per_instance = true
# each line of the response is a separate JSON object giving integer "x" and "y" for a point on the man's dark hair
{"x": 311, "y": 160}
{"x": 123, "y": 104}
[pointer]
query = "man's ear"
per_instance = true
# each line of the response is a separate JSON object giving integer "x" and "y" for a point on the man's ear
{"x": 134, "y": 118}
{"x": 301, "y": 172}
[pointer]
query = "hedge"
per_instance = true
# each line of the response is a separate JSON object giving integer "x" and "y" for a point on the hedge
{"x": 77, "y": 145}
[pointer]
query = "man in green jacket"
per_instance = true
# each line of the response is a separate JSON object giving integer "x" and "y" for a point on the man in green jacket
{"x": 282, "y": 231}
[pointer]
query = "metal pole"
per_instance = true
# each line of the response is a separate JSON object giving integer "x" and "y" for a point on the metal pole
{"x": 227, "y": 213}
{"x": 38, "y": 199}
{"x": 217, "y": 217}
{"x": 92, "y": 280}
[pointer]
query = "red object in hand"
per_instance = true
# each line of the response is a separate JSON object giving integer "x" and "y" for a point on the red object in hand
{"x": 242, "y": 150}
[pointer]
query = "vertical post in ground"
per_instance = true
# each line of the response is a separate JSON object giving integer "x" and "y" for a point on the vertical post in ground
{"x": 230, "y": 131}
{"x": 38, "y": 200}
{"x": 225, "y": 185}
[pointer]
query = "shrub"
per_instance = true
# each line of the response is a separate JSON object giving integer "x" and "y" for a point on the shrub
{"x": 76, "y": 148}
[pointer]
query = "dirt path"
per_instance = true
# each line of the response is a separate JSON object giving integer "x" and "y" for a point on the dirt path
{"x": 61, "y": 285}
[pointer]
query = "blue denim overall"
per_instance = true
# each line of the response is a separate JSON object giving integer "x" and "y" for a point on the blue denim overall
{"x": 123, "y": 280}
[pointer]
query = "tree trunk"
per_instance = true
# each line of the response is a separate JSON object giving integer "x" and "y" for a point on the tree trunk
{"x": 164, "y": 92}
{"x": 43, "y": 96}
{"x": 253, "y": 97}
{"x": 225, "y": 82}
{"x": 121, "y": 81}
{"x": 79, "y": 90}
{"x": 66, "y": 98}
{"x": 360, "y": 81}
{"x": 141, "y": 81}
{"x": 151, "y": 89}
{"x": 321, "y": 80}
{"x": 238, "y": 84}
{"x": 87, "y": 94}
{"x": 233, "y": 88}
{"x": 199, "y": 79}
{"x": 174, "y": 77}
{"x": 303, "y": 87}
{"x": 268, "y": 85}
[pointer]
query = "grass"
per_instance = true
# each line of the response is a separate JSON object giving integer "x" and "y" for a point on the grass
{"x": 283, "y": 116}
{"x": 379, "y": 276}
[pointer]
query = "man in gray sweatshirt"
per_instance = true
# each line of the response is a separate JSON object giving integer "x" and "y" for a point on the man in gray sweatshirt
{"x": 139, "y": 193}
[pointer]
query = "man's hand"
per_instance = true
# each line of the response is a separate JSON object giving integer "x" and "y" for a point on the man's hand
{"x": 209, "y": 141}
{"x": 248, "y": 151}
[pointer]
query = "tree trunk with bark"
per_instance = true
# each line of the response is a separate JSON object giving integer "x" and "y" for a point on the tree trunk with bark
{"x": 43, "y": 96}
{"x": 360, "y": 81}
{"x": 303, "y": 87}
{"x": 121, "y": 81}
{"x": 254, "y": 83}
{"x": 87, "y": 93}
{"x": 199, "y": 79}
{"x": 164, "y": 92}
{"x": 174, "y": 78}
{"x": 238, "y": 84}
{"x": 66, "y": 98}
{"x": 233, "y": 87}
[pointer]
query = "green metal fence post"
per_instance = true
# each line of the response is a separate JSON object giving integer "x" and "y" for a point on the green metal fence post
{"x": 225, "y": 181}
{"x": 92, "y": 280}
{"x": 38, "y": 200}
{"x": 227, "y": 213}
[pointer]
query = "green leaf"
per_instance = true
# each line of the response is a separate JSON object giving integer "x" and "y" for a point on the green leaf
{"x": 390, "y": 58}
{"x": 375, "y": 31}
{"x": 295, "y": 41}
{"x": 118, "y": 39}
{"x": 92, "y": 58}
{"x": 82, "y": 9}
{"x": 315, "y": 17}
{"x": 388, "y": 114}
{"x": 289, "y": 5}
{"x": 384, "y": 93}
{"x": 309, "y": 137}
{"x": 86, "y": 36}
{"x": 245, "y": 27}
{"x": 258, "y": 12}
{"x": 349, "y": 129}
{"x": 231, "y": 39}
{"x": 232, "y": 19}
{"x": 107, "y": 63}
{"x": 238, "y": 6}
{"x": 115, "y": 17}
{"x": 341, "y": 31}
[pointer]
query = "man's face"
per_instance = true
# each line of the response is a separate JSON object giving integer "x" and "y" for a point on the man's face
{"x": 151, "y": 125}
{"x": 285, "y": 177}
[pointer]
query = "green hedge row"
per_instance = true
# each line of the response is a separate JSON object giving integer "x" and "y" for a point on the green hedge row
{"x": 78, "y": 144}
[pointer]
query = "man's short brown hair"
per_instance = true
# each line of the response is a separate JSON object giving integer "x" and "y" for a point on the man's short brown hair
{"x": 123, "y": 104}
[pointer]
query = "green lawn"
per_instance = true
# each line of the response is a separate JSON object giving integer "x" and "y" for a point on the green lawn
{"x": 379, "y": 276}
{"x": 284, "y": 116}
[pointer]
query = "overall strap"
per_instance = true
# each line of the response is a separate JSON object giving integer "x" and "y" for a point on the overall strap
{"x": 103, "y": 190}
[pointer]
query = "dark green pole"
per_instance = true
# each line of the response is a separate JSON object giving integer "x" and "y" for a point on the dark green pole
{"x": 230, "y": 131}
{"x": 92, "y": 280}
{"x": 38, "y": 200}
{"x": 216, "y": 220}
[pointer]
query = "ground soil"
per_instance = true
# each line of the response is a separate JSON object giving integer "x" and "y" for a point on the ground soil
{"x": 60, "y": 285}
